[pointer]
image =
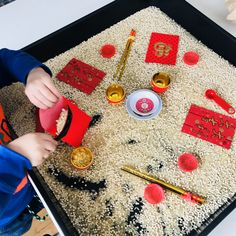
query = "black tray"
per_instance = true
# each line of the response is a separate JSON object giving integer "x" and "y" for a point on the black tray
{"x": 184, "y": 14}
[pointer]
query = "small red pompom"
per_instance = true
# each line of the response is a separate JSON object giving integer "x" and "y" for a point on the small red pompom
{"x": 191, "y": 58}
{"x": 187, "y": 162}
{"x": 154, "y": 193}
{"x": 108, "y": 50}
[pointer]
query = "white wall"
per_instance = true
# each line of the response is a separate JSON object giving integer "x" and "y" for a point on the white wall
{"x": 25, "y": 21}
{"x": 217, "y": 11}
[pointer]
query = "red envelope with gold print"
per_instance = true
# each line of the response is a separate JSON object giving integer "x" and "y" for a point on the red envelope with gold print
{"x": 81, "y": 76}
{"x": 210, "y": 126}
{"x": 163, "y": 48}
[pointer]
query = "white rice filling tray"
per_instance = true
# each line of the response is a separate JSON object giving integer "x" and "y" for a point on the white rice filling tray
{"x": 104, "y": 200}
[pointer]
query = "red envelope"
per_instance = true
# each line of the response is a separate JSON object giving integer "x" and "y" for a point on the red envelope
{"x": 81, "y": 76}
{"x": 210, "y": 126}
{"x": 162, "y": 48}
{"x": 38, "y": 127}
{"x": 77, "y": 127}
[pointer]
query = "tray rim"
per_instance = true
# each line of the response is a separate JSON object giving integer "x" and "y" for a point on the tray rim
{"x": 57, "y": 42}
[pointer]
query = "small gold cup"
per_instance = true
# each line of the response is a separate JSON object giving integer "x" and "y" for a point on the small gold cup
{"x": 160, "y": 82}
{"x": 81, "y": 158}
{"x": 115, "y": 94}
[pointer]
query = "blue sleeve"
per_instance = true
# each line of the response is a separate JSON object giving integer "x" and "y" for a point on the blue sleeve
{"x": 13, "y": 167}
{"x": 16, "y": 65}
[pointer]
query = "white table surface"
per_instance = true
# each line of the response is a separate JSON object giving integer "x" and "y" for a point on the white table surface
{"x": 23, "y": 22}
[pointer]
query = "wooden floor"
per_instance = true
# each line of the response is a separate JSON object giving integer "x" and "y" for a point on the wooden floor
{"x": 41, "y": 228}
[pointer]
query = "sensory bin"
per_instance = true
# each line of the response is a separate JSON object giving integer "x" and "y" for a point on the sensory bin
{"x": 104, "y": 200}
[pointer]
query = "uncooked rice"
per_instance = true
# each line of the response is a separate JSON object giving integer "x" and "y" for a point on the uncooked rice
{"x": 151, "y": 146}
{"x": 60, "y": 123}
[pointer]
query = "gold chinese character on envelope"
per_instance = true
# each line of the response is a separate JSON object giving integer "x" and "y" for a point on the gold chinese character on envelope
{"x": 210, "y": 126}
{"x": 162, "y": 48}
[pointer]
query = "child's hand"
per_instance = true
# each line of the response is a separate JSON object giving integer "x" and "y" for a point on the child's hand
{"x": 34, "y": 146}
{"x": 40, "y": 89}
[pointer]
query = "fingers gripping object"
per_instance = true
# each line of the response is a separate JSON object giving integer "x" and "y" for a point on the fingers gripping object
{"x": 75, "y": 124}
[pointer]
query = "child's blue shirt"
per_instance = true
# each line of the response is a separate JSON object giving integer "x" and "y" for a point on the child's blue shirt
{"x": 15, "y": 189}
{"x": 13, "y": 167}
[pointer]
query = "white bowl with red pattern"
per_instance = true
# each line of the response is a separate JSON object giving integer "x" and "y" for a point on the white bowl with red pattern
{"x": 143, "y": 104}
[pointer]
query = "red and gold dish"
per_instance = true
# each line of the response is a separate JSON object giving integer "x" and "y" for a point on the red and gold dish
{"x": 81, "y": 158}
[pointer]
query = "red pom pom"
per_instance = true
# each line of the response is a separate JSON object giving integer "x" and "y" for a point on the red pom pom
{"x": 187, "y": 162}
{"x": 154, "y": 193}
{"x": 191, "y": 58}
{"x": 108, "y": 50}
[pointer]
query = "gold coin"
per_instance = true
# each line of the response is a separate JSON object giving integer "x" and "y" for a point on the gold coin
{"x": 81, "y": 158}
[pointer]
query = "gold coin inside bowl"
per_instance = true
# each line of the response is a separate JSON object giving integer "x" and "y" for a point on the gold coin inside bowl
{"x": 81, "y": 157}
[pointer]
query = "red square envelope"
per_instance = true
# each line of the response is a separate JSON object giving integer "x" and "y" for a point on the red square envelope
{"x": 81, "y": 76}
{"x": 162, "y": 48}
{"x": 210, "y": 126}
{"x": 77, "y": 128}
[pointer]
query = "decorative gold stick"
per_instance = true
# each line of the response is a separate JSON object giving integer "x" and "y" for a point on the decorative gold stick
{"x": 121, "y": 60}
{"x": 182, "y": 192}
{"x": 125, "y": 55}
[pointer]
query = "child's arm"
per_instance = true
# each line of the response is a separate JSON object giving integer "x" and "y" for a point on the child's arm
{"x": 18, "y": 157}
{"x": 13, "y": 168}
{"x": 21, "y": 154}
{"x": 15, "y": 65}
{"x": 40, "y": 89}
{"x": 36, "y": 147}
{"x": 20, "y": 66}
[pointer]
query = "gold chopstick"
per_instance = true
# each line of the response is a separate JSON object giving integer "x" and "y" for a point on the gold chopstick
{"x": 175, "y": 189}
{"x": 122, "y": 63}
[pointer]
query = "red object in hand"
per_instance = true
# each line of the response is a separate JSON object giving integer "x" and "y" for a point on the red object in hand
{"x": 154, "y": 193}
{"x": 78, "y": 126}
{"x": 38, "y": 127}
{"x": 187, "y": 162}
{"x": 108, "y": 50}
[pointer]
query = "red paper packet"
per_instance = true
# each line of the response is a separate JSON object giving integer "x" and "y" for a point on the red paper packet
{"x": 78, "y": 126}
{"x": 210, "y": 126}
{"x": 81, "y": 76}
{"x": 162, "y": 48}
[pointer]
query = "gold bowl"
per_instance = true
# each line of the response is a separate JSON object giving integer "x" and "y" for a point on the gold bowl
{"x": 115, "y": 94}
{"x": 81, "y": 158}
{"x": 160, "y": 82}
